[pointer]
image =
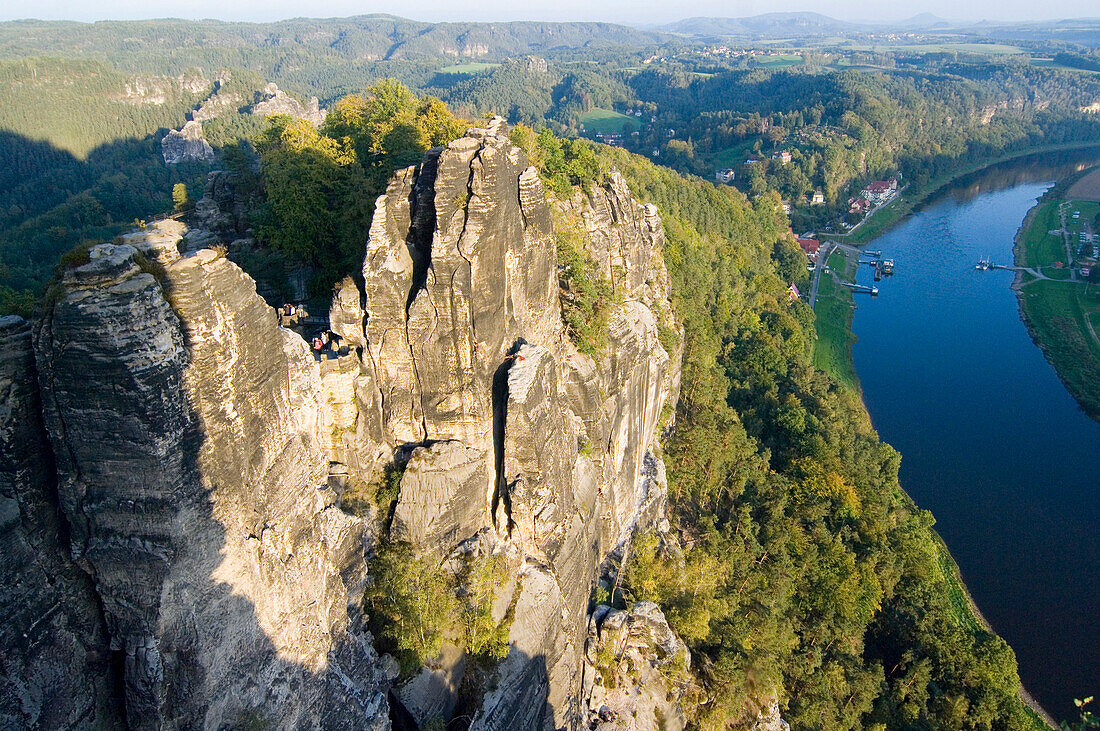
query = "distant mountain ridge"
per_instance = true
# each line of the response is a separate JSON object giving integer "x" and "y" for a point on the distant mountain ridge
{"x": 364, "y": 37}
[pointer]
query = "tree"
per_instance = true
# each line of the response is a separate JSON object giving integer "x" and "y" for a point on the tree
{"x": 180, "y": 197}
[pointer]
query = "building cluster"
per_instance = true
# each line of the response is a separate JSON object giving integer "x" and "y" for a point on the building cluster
{"x": 613, "y": 139}
{"x": 875, "y": 194}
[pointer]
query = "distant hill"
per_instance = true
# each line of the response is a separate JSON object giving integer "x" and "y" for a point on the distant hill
{"x": 786, "y": 25}
{"x": 359, "y": 38}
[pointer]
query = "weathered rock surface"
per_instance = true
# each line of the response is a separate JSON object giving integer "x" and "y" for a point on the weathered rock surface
{"x": 216, "y": 105}
{"x": 54, "y": 668}
{"x": 202, "y": 451}
{"x": 635, "y": 671}
{"x": 277, "y": 101}
{"x": 186, "y": 143}
{"x": 513, "y": 431}
{"x": 194, "y": 475}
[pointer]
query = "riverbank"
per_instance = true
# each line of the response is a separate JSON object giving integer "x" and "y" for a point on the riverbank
{"x": 1063, "y": 315}
{"x": 970, "y": 616}
{"x": 833, "y": 354}
{"x": 834, "y": 310}
{"x": 905, "y": 203}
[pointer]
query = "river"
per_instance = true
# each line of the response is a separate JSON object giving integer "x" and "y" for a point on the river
{"x": 991, "y": 441}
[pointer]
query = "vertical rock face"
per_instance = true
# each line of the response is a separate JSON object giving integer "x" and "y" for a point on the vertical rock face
{"x": 54, "y": 670}
{"x": 517, "y": 438}
{"x": 193, "y": 470}
{"x": 186, "y": 143}
{"x": 635, "y": 670}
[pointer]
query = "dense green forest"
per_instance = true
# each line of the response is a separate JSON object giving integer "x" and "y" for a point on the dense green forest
{"x": 842, "y": 128}
{"x": 82, "y": 108}
{"x": 806, "y": 567}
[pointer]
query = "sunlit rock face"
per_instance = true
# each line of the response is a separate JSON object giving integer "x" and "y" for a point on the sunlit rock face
{"x": 186, "y": 143}
{"x": 194, "y": 453}
{"x": 194, "y": 474}
{"x": 519, "y": 442}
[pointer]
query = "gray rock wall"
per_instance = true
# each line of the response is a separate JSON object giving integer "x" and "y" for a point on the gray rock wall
{"x": 54, "y": 669}
{"x": 517, "y": 438}
{"x": 200, "y": 450}
{"x": 194, "y": 472}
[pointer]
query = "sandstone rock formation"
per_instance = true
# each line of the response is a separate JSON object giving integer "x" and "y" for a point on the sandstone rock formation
{"x": 195, "y": 481}
{"x": 55, "y": 669}
{"x": 517, "y": 438}
{"x": 636, "y": 670}
{"x": 203, "y": 454}
{"x": 277, "y": 101}
{"x": 186, "y": 143}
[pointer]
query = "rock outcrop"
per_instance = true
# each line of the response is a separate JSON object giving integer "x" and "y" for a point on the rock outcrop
{"x": 55, "y": 669}
{"x": 194, "y": 477}
{"x": 189, "y": 497}
{"x": 186, "y": 143}
{"x": 518, "y": 439}
{"x": 277, "y": 101}
{"x": 636, "y": 670}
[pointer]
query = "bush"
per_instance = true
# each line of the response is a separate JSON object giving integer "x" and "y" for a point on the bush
{"x": 586, "y": 294}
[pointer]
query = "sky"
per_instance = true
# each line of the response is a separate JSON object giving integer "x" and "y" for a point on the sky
{"x": 633, "y": 12}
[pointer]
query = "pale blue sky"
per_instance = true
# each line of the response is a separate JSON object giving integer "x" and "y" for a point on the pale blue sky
{"x": 619, "y": 11}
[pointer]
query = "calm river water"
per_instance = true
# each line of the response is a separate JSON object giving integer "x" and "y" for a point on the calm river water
{"x": 991, "y": 442}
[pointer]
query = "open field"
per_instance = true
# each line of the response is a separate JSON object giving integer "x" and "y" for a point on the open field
{"x": 606, "y": 120}
{"x": 1041, "y": 248}
{"x": 733, "y": 157}
{"x": 834, "y": 310}
{"x": 1049, "y": 63}
{"x": 1061, "y": 315}
{"x": 1087, "y": 188}
{"x": 989, "y": 49}
{"x": 780, "y": 61}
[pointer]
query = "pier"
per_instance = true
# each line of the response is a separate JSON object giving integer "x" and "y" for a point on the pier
{"x": 861, "y": 288}
{"x": 986, "y": 265}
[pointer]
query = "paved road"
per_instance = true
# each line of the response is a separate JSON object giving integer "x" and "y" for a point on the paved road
{"x": 822, "y": 261}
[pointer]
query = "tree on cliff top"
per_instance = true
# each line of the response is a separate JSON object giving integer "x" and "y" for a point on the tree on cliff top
{"x": 321, "y": 184}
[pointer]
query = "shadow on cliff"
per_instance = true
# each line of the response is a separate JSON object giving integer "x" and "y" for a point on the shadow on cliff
{"x": 219, "y": 569}
{"x": 51, "y": 200}
{"x": 511, "y": 696}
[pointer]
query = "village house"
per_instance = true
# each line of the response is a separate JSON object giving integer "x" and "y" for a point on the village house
{"x": 786, "y": 207}
{"x": 818, "y": 198}
{"x": 880, "y": 191}
{"x": 858, "y": 205}
{"x": 782, "y": 156}
{"x": 810, "y": 246}
{"x": 792, "y": 293}
{"x": 725, "y": 175}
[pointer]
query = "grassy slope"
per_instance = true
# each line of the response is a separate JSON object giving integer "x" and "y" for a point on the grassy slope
{"x": 466, "y": 69}
{"x": 605, "y": 120}
{"x": 834, "y": 310}
{"x": 1055, "y": 312}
